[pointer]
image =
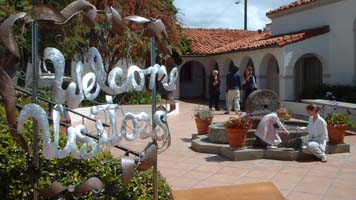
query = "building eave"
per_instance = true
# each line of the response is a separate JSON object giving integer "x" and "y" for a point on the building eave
{"x": 300, "y": 8}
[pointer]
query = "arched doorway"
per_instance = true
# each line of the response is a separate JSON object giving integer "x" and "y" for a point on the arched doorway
{"x": 308, "y": 76}
{"x": 270, "y": 70}
{"x": 229, "y": 65}
{"x": 192, "y": 78}
{"x": 246, "y": 61}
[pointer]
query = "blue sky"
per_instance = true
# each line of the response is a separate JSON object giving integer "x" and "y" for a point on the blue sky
{"x": 225, "y": 13}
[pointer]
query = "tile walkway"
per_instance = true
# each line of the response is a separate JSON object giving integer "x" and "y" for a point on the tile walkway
{"x": 185, "y": 169}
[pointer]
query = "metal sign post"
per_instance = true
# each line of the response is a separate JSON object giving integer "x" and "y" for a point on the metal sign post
{"x": 154, "y": 108}
{"x": 35, "y": 161}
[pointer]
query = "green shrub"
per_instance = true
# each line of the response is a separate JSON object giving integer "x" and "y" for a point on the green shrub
{"x": 345, "y": 93}
{"x": 15, "y": 178}
{"x": 204, "y": 114}
{"x": 129, "y": 98}
{"x": 143, "y": 97}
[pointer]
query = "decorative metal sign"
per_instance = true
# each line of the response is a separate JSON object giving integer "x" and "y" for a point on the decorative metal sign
{"x": 97, "y": 79}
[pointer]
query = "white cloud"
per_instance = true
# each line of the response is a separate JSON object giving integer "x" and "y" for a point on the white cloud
{"x": 225, "y": 13}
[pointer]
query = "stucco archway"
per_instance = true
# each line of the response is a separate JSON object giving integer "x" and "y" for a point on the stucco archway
{"x": 213, "y": 65}
{"x": 245, "y": 62}
{"x": 192, "y": 78}
{"x": 308, "y": 75}
{"x": 228, "y": 65}
{"x": 269, "y": 70}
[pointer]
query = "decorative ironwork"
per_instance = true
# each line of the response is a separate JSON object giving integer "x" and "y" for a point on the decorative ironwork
{"x": 55, "y": 190}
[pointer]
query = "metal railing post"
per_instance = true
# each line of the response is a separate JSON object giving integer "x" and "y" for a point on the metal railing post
{"x": 35, "y": 161}
{"x": 154, "y": 108}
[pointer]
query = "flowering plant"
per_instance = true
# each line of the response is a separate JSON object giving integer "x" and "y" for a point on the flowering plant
{"x": 336, "y": 119}
{"x": 239, "y": 122}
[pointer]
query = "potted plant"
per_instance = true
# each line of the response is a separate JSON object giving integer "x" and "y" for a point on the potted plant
{"x": 203, "y": 119}
{"x": 237, "y": 128}
{"x": 337, "y": 124}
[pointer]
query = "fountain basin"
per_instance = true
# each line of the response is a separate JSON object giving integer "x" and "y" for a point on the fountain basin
{"x": 201, "y": 144}
{"x": 217, "y": 134}
{"x": 258, "y": 104}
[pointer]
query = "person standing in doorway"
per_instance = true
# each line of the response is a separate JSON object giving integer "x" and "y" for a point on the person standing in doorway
{"x": 249, "y": 85}
{"x": 214, "y": 90}
{"x": 233, "y": 85}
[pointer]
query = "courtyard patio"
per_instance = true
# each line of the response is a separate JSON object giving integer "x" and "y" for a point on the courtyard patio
{"x": 186, "y": 169}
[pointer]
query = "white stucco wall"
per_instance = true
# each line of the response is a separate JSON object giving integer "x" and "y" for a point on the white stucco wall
{"x": 340, "y": 16}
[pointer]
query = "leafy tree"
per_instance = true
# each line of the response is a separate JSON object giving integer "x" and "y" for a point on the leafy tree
{"x": 74, "y": 38}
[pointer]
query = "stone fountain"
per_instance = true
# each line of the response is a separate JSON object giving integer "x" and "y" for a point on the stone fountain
{"x": 258, "y": 104}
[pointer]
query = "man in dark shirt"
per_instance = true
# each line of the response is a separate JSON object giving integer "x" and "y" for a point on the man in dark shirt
{"x": 233, "y": 86}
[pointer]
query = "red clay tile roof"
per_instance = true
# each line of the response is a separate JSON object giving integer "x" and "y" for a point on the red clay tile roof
{"x": 218, "y": 41}
{"x": 291, "y": 5}
{"x": 205, "y": 41}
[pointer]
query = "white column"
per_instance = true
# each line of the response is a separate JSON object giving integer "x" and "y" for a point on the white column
{"x": 286, "y": 88}
{"x": 354, "y": 79}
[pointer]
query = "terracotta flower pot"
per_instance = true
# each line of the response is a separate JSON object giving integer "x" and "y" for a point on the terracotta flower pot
{"x": 203, "y": 125}
{"x": 336, "y": 134}
{"x": 237, "y": 137}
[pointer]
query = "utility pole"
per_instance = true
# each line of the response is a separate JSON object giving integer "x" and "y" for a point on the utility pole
{"x": 245, "y": 15}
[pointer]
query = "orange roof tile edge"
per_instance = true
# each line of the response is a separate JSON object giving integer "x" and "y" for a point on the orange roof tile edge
{"x": 253, "y": 41}
{"x": 290, "y": 6}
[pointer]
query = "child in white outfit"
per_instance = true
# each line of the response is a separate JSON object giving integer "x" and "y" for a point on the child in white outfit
{"x": 318, "y": 134}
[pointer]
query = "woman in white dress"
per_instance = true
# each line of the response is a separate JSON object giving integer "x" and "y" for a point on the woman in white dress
{"x": 266, "y": 130}
{"x": 317, "y": 138}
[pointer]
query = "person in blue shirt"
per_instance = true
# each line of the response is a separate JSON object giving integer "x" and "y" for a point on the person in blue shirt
{"x": 233, "y": 86}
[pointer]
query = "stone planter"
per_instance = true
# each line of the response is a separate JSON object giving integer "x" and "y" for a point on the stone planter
{"x": 336, "y": 134}
{"x": 217, "y": 133}
{"x": 237, "y": 137}
{"x": 202, "y": 125}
